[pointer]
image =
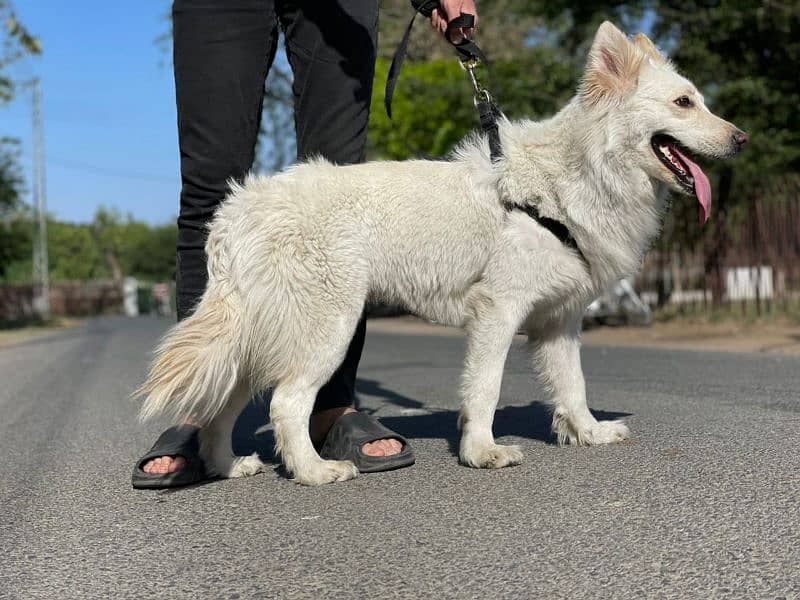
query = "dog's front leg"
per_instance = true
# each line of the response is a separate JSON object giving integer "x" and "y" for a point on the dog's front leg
{"x": 490, "y": 336}
{"x": 557, "y": 355}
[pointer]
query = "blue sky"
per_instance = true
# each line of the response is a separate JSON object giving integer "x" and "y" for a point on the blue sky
{"x": 109, "y": 108}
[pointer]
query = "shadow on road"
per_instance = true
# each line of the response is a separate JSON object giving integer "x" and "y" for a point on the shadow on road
{"x": 531, "y": 421}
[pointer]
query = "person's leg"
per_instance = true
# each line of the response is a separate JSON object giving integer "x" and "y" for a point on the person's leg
{"x": 221, "y": 54}
{"x": 332, "y": 47}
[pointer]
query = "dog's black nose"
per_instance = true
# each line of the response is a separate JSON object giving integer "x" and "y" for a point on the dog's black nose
{"x": 740, "y": 138}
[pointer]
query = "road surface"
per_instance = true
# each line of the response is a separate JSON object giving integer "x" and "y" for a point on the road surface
{"x": 703, "y": 502}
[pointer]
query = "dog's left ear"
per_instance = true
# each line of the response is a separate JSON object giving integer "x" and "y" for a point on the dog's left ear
{"x": 613, "y": 67}
{"x": 646, "y": 45}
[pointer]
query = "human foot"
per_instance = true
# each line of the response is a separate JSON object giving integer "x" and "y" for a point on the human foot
{"x": 164, "y": 464}
{"x": 173, "y": 461}
{"x": 322, "y": 421}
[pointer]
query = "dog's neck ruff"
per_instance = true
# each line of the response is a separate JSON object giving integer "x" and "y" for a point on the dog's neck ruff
{"x": 488, "y": 115}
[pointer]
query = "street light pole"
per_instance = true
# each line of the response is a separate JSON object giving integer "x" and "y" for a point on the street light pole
{"x": 41, "y": 267}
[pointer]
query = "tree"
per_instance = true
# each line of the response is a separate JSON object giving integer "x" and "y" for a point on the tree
{"x": 15, "y": 42}
{"x": 15, "y": 236}
{"x": 744, "y": 55}
{"x": 537, "y": 51}
{"x": 148, "y": 253}
{"x": 74, "y": 253}
{"x": 109, "y": 247}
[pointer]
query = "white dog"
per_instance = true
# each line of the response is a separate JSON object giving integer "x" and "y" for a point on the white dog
{"x": 293, "y": 258}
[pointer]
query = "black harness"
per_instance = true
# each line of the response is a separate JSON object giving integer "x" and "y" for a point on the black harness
{"x": 471, "y": 56}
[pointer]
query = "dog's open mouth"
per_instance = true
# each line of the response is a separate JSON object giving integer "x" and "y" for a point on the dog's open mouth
{"x": 690, "y": 176}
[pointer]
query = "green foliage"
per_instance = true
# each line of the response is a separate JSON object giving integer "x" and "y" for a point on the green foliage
{"x": 15, "y": 42}
{"x": 744, "y": 56}
{"x": 73, "y": 253}
{"x": 432, "y": 110}
{"x": 10, "y": 177}
{"x": 537, "y": 51}
{"x": 15, "y": 234}
{"x": 148, "y": 253}
{"x": 97, "y": 249}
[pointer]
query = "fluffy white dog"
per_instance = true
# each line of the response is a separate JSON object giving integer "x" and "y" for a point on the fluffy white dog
{"x": 293, "y": 258}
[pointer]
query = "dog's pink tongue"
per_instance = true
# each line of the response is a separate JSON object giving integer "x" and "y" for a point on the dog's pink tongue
{"x": 702, "y": 187}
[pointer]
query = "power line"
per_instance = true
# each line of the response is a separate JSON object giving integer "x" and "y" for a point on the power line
{"x": 108, "y": 172}
{"x": 75, "y": 165}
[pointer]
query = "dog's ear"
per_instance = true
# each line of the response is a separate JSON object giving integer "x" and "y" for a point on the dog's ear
{"x": 645, "y": 44}
{"x": 613, "y": 67}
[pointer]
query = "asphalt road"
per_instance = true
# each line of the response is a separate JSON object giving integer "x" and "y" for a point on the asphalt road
{"x": 704, "y": 502}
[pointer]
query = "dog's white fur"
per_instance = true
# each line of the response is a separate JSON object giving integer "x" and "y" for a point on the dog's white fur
{"x": 293, "y": 258}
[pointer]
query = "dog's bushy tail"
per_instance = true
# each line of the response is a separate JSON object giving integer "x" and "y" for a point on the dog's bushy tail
{"x": 197, "y": 365}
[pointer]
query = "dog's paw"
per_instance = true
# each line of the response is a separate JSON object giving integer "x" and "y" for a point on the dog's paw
{"x": 493, "y": 456}
{"x": 326, "y": 471}
{"x": 608, "y": 432}
{"x": 230, "y": 466}
{"x": 595, "y": 433}
{"x": 245, "y": 466}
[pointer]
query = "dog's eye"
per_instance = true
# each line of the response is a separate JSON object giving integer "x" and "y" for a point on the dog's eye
{"x": 684, "y": 102}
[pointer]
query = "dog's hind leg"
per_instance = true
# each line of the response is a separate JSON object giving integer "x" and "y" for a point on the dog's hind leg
{"x": 290, "y": 410}
{"x": 294, "y": 396}
{"x": 557, "y": 355}
{"x": 216, "y": 444}
{"x": 490, "y": 337}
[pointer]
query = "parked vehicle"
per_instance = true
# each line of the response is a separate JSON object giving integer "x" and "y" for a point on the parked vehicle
{"x": 621, "y": 305}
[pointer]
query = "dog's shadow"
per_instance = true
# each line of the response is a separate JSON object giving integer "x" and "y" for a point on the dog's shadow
{"x": 531, "y": 421}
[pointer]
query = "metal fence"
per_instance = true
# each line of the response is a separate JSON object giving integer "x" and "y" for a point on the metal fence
{"x": 753, "y": 264}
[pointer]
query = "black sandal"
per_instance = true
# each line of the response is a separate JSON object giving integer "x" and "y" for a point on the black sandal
{"x": 182, "y": 441}
{"x": 351, "y": 431}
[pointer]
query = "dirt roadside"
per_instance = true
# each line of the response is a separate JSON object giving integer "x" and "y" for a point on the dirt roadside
{"x": 778, "y": 338}
{"x": 9, "y": 337}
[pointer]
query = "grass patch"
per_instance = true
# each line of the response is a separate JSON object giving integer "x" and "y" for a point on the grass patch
{"x": 736, "y": 313}
{"x": 32, "y": 322}
{"x": 20, "y": 330}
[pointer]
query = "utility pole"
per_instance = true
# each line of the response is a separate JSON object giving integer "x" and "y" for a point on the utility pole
{"x": 41, "y": 267}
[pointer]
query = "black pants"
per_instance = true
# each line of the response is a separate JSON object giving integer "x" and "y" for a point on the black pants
{"x": 223, "y": 50}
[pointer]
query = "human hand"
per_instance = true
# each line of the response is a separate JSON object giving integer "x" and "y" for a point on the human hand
{"x": 449, "y": 10}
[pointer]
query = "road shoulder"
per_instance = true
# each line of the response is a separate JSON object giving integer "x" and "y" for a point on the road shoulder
{"x": 772, "y": 338}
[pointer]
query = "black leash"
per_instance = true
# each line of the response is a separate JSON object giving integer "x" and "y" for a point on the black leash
{"x": 470, "y": 56}
{"x": 466, "y": 49}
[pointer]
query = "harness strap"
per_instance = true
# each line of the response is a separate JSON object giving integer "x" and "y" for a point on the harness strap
{"x": 557, "y": 228}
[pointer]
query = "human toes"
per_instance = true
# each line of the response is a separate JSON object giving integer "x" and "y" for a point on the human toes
{"x": 372, "y": 449}
{"x": 175, "y": 463}
{"x": 386, "y": 447}
{"x": 164, "y": 465}
{"x": 393, "y": 446}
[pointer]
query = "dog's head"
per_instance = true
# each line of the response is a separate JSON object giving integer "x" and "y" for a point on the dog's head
{"x": 656, "y": 113}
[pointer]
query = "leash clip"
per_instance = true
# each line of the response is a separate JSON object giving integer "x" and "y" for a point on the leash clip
{"x": 481, "y": 94}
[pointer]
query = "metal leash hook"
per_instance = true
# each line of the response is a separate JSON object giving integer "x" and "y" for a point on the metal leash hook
{"x": 481, "y": 93}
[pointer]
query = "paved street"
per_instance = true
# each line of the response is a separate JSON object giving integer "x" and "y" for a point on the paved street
{"x": 703, "y": 502}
